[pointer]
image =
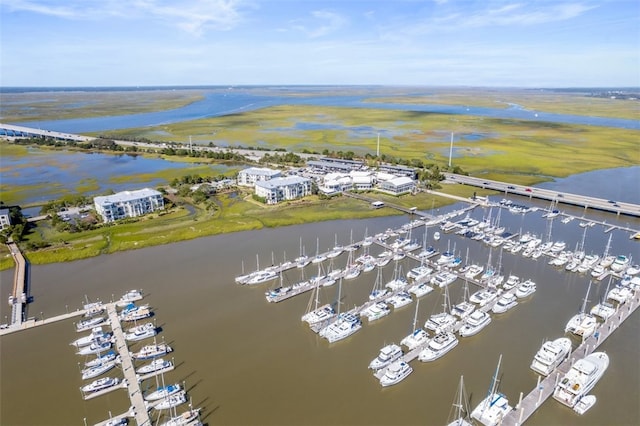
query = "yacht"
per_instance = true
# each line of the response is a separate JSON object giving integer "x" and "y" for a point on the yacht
{"x": 153, "y": 366}
{"x": 102, "y": 359}
{"x": 97, "y": 335}
{"x": 620, "y": 294}
{"x": 550, "y": 355}
{"x": 417, "y": 338}
{"x": 604, "y": 310}
{"x": 484, "y": 296}
{"x": 262, "y": 277}
{"x": 512, "y": 281}
{"x": 187, "y": 418}
{"x": 152, "y": 351}
{"x": 343, "y": 327}
{"x": 525, "y": 289}
{"x": 419, "y": 273}
{"x": 582, "y": 324}
{"x": 399, "y": 300}
{"x": 581, "y": 378}
{"x": 387, "y": 355}
{"x": 440, "y": 322}
{"x": 473, "y": 271}
{"x": 396, "y": 372}
{"x": 620, "y": 263}
{"x": 438, "y": 346}
{"x": 504, "y": 303}
{"x": 141, "y": 332}
{"x": 89, "y": 323}
{"x": 443, "y": 279}
{"x": 474, "y": 323}
{"x": 420, "y": 290}
{"x": 97, "y": 370}
{"x": 95, "y": 347}
{"x": 376, "y": 311}
{"x": 495, "y": 406}
{"x": 100, "y": 384}
{"x": 128, "y": 297}
{"x": 163, "y": 392}
{"x": 320, "y": 314}
{"x": 172, "y": 401}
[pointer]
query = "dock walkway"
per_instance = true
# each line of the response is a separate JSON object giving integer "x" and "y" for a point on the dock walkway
{"x": 133, "y": 387}
{"x": 529, "y": 404}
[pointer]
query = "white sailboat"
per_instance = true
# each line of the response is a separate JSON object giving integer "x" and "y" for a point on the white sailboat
{"x": 418, "y": 336}
{"x": 460, "y": 408}
{"x": 442, "y": 321}
{"x": 316, "y": 313}
{"x": 582, "y": 324}
{"x": 492, "y": 410}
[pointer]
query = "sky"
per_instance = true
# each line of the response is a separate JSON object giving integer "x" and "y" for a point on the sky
{"x": 497, "y": 43}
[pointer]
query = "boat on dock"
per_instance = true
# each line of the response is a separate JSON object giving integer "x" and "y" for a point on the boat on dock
{"x": 172, "y": 401}
{"x": 399, "y": 300}
{"x": 95, "y": 347}
{"x": 346, "y": 325}
{"x": 315, "y": 313}
{"x": 442, "y": 321}
{"x": 395, "y": 373}
{"x": 163, "y": 392}
{"x": 443, "y": 278}
{"x": 442, "y": 343}
{"x": 484, "y": 296}
{"x": 140, "y": 332}
{"x": 158, "y": 364}
{"x": 152, "y": 351}
{"x": 387, "y": 355}
{"x": 504, "y": 303}
{"x": 460, "y": 408}
{"x": 581, "y": 378}
{"x": 187, "y": 418}
{"x": 551, "y": 355}
{"x": 495, "y": 406}
{"x": 97, "y": 370}
{"x": 375, "y": 311}
{"x": 420, "y": 290}
{"x": 97, "y": 335}
{"x": 100, "y": 384}
{"x": 89, "y": 323}
{"x": 582, "y": 324}
{"x": 525, "y": 289}
{"x": 129, "y": 297}
{"x": 620, "y": 263}
{"x": 418, "y": 336}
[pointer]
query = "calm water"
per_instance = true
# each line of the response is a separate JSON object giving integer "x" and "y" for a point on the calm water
{"x": 46, "y": 175}
{"x": 248, "y": 362}
{"x": 219, "y": 102}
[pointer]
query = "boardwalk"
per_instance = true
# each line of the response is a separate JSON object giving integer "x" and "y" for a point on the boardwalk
{"x": 19, "y": 295}
{"x": 133, "y": 387}
{"x": 527, "y": 407}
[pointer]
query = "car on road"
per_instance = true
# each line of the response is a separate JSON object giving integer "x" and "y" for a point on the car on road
{"x": 611, "y": 202}
{"x": 511, "y": 187}
{"x": 528, "y": 189}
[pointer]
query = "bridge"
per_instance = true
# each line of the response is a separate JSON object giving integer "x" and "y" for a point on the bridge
{"x": 13, "y": 131}
{"x": 612, "y": 206}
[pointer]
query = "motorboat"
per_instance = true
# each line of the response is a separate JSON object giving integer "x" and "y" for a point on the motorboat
{"x": 598, "y": 271}
{"x": 604, "y": 310}
{"x": 584, "y": 403}
{"x": 442, "y": 343}
{"x": 97, "y": 370}
{"x": 525, "y": 289}
{"x": 155, "y": 365}
{"x": 504, "y": 303}
{"x": 550, "y": 355}
{"x": 131, "y": 308}
{"x": 581, "y": 378}
{"x": 89, "y": 323}
{"x": 439, "y": 322}
{"x": 420, "y": 290}
{"x": 187, "y": 418}
{"x": 163, "y": 392}
{"x": 443, "y": 279}
{"x": 492, "y": 409}
{"x": 620, "y": 264}
{"x": 417, "y": 338}
{"x": 128, "y": 297}
{"x": 275, "y": 294}
{"x": 97, "y": 334}
{"x": 445, "y": 258}
{"x": 320, "y": 314}
{"x": 95, "y": 347}
{"x": 102, "y": 359}
{"x": 582, "y": 324}
{"x": 474, "y": 323}
{"x": 419, "y": 273}
{"x": 473, "y": 271}
{"x": 141, "y": 332}
{"x": 463, "y": 309}
{"x": 620, "y": 294}
{"x": 395, "y": 373}
{"x": 152, "y": 351}
{"x": 376, "y": 311}
{"x": 100, "y": 384}
{"x": 484, "y": 296}
{"x": 136, "y": 315}
{"x": 262, "y": 277}
{"x": 511, "y": 282}
{"x": 172, "y": 401}
{"x": 387, "y": 355}
{"x": 93, "y": 309}
{"x": 343, "y": 327}
{"x": 399, "y": 300}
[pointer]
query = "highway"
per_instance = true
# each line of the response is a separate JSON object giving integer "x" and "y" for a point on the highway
{"x": 613, "y": 206}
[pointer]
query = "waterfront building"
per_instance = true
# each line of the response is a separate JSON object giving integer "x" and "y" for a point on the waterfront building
{"x": 128, "y": 204}
{"x": 252, "y": 175}
{"x": 328, "y": 164}
{"x": 283, "y": 189}
{"x": 397, "y": 185}
{"x": 399, "y": 170}
{"x": 5, "y": 220}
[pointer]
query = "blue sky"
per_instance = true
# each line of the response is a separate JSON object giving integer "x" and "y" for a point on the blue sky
{"x": 525, "y": 43}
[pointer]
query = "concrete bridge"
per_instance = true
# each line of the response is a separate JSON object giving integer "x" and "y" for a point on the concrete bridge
{"x": 13, "y": 131}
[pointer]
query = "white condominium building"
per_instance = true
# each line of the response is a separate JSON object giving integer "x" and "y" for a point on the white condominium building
{"x": 249, "y": 177}
{"x": 128, "y": 204}
{"x": 5, "y": 220}
{"x": 281, "y": 189}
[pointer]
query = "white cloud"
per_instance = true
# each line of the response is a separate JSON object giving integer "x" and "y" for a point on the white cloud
{"x": 323, "y": 23}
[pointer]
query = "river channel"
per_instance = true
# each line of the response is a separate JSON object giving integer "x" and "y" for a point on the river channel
{"x": 248, "y": 362}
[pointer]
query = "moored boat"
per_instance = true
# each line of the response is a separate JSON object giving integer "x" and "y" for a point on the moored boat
{"x": 387, "y": 355}
{"x": 504, "y": 303}
{"x": 163, "y": 392}
{"x": 550, "y": 355}
{"x": 492, "y": 409}
{"x": 100, "y": 384}
{"x": 89, "y": 323}
{"x": 474, "y": 323}
{"x": 153, "y": 366}
{"x": 581, "y": 378}
{"x": 152, "y": 351}
{"x": 95, "y": 371}
{"x": 128, "y": 297}
{"x": 584, "y": 403}
{"x": 141, "y": 332}
{"x": 395, "y": 373}
{"x": 172, "y": 401}
{"x": 438, "y": 346}
{"x": 525, "y": 289}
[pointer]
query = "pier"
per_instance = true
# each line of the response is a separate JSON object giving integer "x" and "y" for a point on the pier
{"x": 18, "y": 299}
{"x": 530, "y": 403}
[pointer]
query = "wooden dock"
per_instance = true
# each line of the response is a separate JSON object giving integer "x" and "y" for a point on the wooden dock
{"x": 19, "y": 294}
{"x": 133, "y": 386}
{"x": 35, "y": 322}
{"x": 544, "y": 389}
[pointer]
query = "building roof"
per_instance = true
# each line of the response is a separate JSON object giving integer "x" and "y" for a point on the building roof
{"x": 284, "y": 181}
{"x": 124, "y": 196}
{"x": 260, "y": 171}
{"x": 4, "y": 212}
{"x": 401, "y": 180}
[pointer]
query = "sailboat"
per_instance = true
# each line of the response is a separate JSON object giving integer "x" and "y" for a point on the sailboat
{"x": 318, "y": 257}
{"x": 344, "y": 326}
{"x": 442, "y": 321}
{"x": 418, "y": 336}
{"x": 492, "y": 410}
{"x": 582, "y": 324}
{"x": 378, "y": 291}
{"x": 315, "y": 313}
{"x": 460, "y": 408}
{"x": 302, "y": 260}
{"x": 604, "y": 309}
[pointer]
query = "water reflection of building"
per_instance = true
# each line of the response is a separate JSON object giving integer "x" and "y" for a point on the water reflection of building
{"x": 128, "y": 204}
